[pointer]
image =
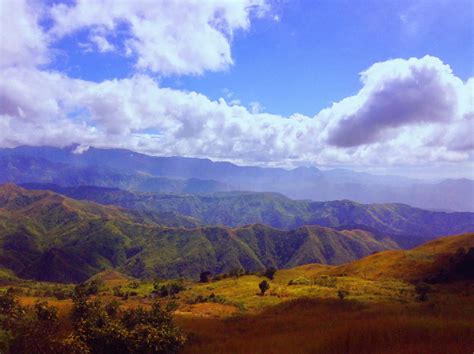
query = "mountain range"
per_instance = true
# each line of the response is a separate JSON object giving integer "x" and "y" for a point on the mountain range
{"x": 48, "y": 236}
{"x": 139, "y": 172}
{"x": 407, "y": 225}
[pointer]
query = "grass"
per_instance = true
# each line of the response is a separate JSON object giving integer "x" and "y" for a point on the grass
{"x": 379, "y": 314}
{"x": 309, "y": 325}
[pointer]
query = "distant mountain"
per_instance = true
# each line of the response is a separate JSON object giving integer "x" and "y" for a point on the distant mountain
{"x": 406, "y": 225}
{"x": 27, "y": 169}
{"x": 299, "y": 183}
{"x": 47, "y": 236}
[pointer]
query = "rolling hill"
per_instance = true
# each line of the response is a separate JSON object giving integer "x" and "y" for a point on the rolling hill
{"x": 47, "y": 236}
{"x": 444, "y": 259}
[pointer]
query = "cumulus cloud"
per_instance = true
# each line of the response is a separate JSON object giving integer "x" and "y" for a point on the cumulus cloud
{"x": 408, "y": 111}
{"x": 184, "y": 37}
{"x": 399, "y": 93}
{"x": 22, "y": 42}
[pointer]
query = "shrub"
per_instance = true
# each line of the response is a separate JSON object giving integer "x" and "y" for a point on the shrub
{"x": 326, "y": 281}
{"x": 237, "y": 272}
{"x": 300, "y": 281}
{"x": 204, "y": 277}
{"x": 422, "y": 289}
{"x": 117, "y": 291}
{"x": 270, "y": 273}
{"x": 136, "y": 331}
{"x": 341, "y": 294}
{"x": 112, "y": 308}
{"x": 264, "y": 286}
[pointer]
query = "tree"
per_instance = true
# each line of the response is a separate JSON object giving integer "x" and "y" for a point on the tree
{"x": 341, "y": 294}
{"x": 422, "y": 290}
{"x": 204, "y": 277}
{"x": 264, "y": 286}
{"x": 270, "y": 273}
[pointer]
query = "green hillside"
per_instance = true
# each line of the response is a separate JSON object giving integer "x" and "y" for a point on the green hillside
{"x": 407, "y": 225}
{"x": 46, "y": 236}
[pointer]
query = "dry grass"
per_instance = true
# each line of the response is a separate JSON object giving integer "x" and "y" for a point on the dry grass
{"x": 410, "y": 265}
{"x": 332, "y": 326}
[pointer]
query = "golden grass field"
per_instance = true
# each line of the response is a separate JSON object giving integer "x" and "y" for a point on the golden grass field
{"x": 379, "y": 314}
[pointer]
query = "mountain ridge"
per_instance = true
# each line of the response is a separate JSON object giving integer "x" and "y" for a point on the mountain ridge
{"x": 307, "y": 183}
{"x": 410, "y": 226}
{"x": 67, "y": 240}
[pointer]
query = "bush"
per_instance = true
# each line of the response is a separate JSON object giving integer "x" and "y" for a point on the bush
{"x": 422, "y": 290}
{"x": 300, "y": 281}
{"x": 133, "y": 285}
{"x": 204, "y": 277}
{"x": 135, "y": 331}
{"x": 270, "y": 273}
{"x": 341, "y": 294}
{"x": 264, "y": 286}
{"x": 326, "y": 281}
{"x": 112, "y": 308}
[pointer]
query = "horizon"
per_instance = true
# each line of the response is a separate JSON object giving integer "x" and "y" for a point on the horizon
{"x": 246, "y": 81}
{"x": 432, "y": 179}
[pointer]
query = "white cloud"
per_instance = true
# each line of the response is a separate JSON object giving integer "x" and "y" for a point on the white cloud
{"x": 103, "y": 45}
{"x": 22, "y": 42}
{"x": 185, "y": 37}
{"x": 121, "y": 113}
{"x": 408, "y": 112}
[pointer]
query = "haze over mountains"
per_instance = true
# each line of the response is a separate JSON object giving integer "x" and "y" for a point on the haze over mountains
{"x": 130, "y": 170}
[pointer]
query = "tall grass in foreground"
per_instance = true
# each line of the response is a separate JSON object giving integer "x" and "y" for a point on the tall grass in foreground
{"x": 332, "y": 326}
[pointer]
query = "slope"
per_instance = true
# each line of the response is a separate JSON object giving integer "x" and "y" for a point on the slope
{"x": 46, "y": 236}
{"x": 444, "y": 259}
{"x": 406, "y": 225}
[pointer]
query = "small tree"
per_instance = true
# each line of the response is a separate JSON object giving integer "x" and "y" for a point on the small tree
{"x": 204, "y": 277}
{"x": 341, "y": 294}
{"x": 270, "y": 273}
{"x": 264, "y": 286}
{"x": 422, "y": 290}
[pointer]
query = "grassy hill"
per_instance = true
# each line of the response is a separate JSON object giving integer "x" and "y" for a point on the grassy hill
{"x": 436, "y": 260}
{"x": 49, "y": 237}
{"x": 406, "y": 225}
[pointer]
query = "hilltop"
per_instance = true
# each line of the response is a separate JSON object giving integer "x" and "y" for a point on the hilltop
{"x": 437, "y": 260}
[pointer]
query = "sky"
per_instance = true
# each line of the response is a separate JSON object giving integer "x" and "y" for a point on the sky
{"x": 378, "y": 86}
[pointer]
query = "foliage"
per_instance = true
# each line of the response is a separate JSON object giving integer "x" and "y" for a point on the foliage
{"x": 326, "y": 281}
{"x": 30, "y": 329}
{"x": 204, "y": 277}
{"x": 300, "y": 281}
{"x": 263, "y": 286}
{"x": 270, "y": 273}
{"x": 422, "y": 289}
{"x": 341, "y": 294}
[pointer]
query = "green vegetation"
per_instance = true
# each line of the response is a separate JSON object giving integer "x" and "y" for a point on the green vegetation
{"x": 96, "y": 328}
{"x": 312, "y": 306}
{"x": 404, "y": 225}
{"x": 48, "y": 237}
{"x": 263, "y": 286}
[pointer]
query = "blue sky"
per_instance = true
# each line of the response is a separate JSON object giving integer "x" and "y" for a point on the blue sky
{"x": 381, "y": 86}
{"x": 308, "y": 54}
